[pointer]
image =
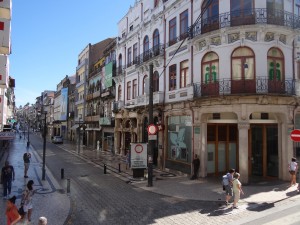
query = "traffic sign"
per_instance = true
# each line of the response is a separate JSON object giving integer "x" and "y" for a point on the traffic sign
{"x": 295, "y": 135}
{"x": 152, "y": 129}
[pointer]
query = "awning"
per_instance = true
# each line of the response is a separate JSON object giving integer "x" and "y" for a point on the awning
{"x": 75, "y": 127}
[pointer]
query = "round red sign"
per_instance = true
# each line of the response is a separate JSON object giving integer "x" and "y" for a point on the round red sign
{"x": 152, "y": 129}
{"x": 138, "y": 148}
{"x": 295, "y": 135}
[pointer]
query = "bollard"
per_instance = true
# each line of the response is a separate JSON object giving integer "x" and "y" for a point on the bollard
{"x": 68, "y": 185}
{"x": 119, "y": 167}
{"x": 62, "y": 173}
{"x": 104, "y": 168}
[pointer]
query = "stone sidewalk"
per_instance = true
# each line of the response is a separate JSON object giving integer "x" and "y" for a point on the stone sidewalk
{"x": 50, "y": 199}
{"x": 180, "y": 186}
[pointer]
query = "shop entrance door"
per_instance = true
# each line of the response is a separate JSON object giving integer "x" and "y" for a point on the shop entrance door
{"x": 222, "y": 152}
{"x": 264, "y": 150}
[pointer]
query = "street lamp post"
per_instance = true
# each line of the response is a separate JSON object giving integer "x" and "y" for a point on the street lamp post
{"x": 79, "y": 117}
{"x": 44, "y": 147}
{"x": 28, "y": 142}
{"x": 150, "y": 142}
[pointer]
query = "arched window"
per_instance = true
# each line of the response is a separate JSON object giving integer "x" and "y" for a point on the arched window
{"x": 275, "y": 64}
{"x": 243, "y": 70}
{"x": 146, "y": 48}
{"x": 119, "y": 93}
{"x": 145, "y": 79}
{"x": 120, "y": 64}
{"x": 210, "y": 16}
{"x": 156, "y": 42}
{"x": 155, "y": 81}
{"x": 210, "y": 68}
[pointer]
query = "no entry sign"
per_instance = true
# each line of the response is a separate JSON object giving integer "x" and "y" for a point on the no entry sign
{"x": 295, "y": 135}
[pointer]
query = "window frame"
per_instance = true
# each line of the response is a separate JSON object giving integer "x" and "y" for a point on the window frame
{"x": 183, "y": 74}
{"x": 134, "y": 89}
{"x": 209, "y": 63}
{"x": 135, "y": 53}
{"x": 129, "y": 60}
{"x": 155, "y": 81}
{"x": 119, "y": 92}
{"x": 276, "y": 59}
{"x": 183, "y": 24}
{"x": 172, "y": 77}
{"x": 129, "y": 90}
{"x": 243, "y": 60}
{"x": 144, "y": 84}
{"x": 172, "y": 31}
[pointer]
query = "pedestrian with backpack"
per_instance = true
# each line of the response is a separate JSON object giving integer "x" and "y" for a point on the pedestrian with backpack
{"x": 227, "y": 185}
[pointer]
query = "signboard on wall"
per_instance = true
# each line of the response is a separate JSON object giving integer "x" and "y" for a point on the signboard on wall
{"x": 108, "y": 74}
{"x": 138, "y": 155}
{"x": 64, "y": 104}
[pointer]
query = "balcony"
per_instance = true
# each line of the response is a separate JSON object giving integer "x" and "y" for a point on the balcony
{"x": 108, "y": 92}
{"x": 260, "y": 85}
{"x": 105, "y": 121}
{"x": 147, "y": 55}
{"x": 120, "y": 70}
{"x": 118, "y": 106}
{"x": 158, "y": 98}
{"x": 245, "y": 17}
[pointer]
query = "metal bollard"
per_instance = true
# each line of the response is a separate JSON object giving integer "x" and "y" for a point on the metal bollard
{"x": 62, "y": 173}
{"x": 119, "y": 167}
{"x": 104, "y": 168}
{"x": 68, "y": 185}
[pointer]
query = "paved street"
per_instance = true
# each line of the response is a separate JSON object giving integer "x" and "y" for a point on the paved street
{"x": 115, "y": 198}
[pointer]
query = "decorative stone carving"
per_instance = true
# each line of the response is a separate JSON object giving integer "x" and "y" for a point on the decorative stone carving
{"x": 215, "y": 40}
{"x": 202, "y": 44}
{"x": 243, "y": 125}
{"x": 233, "y": 37}
{"x": 263, "y": 100}
{"x": 269, "y": 37}
{"x": 282, "y": 38}
{"x": 252, "y": 36}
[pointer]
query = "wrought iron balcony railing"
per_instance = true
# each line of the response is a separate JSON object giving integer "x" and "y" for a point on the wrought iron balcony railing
{"x": 157, "y": 50}
{"x": 245, "y": 17}
{"x": 260, "y": 85}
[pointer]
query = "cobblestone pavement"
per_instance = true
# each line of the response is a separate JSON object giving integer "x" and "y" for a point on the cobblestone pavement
{"x": 116, "y": 198}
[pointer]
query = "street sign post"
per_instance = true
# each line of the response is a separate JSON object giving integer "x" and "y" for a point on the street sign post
{"x": 295, "y": 135}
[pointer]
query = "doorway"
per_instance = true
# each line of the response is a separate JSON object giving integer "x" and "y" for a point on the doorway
{"x": 222, "y": 150}
{"x": 263, "y": 150}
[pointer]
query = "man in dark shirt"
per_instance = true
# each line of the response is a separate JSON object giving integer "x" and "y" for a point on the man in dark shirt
{"x": 7, "y": 176}
{"x": 26, "y": 159}
{"x": 196, "y": 165}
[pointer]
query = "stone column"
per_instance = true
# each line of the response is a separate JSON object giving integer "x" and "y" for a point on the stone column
{"x": 243, "y": 152}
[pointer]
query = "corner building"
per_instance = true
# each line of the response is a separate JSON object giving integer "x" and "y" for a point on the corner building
{"x": 229, "y": 84}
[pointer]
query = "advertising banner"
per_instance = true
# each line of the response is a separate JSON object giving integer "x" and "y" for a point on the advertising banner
{"x": 64, "y": 104}
{"x": 138, "y": 155}
{"x": 108, "y": 75}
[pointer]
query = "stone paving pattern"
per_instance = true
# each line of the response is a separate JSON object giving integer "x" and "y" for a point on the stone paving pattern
{"x": 117, "y": 198}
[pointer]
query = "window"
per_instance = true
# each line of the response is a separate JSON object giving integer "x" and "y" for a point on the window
{"x": 210, "y": 68}
{"x": 274, "y": 5}
{"x": 172, "y": 31}
{"x": 184, "y": 73}
{"x": 210, "y": 18}
{"x": 156, "y": 3}
{"x": 135, "y": 53}
{"x": 241, "y": 8}
{"x": 275, "y": 64}
{"x": 144, "y": 84}
{"x": 172, "y": 77}
{"x": 242, "y": 61}
{"x": 275, "y": 13}
{"x": 120, "y": 64}
{"x": 129, "y": 61}
{"x": 156, "y": 38}
{"x": 119, "y": 92}
{"x": 131, "y": 28}
{"x": 297, "y": 8}
{"x": 134, "y": 88}
{"x": 184, "y": 23}
{"x": 128, "y": 90}
{"x": 1, "y": 25}
{"x": 155, "y": 81}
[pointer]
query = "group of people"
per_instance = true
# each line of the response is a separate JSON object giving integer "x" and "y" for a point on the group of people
{"x": 13, "y": 213}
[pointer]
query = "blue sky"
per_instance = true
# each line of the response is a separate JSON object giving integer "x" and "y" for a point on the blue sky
{"x": 47, "y": 37}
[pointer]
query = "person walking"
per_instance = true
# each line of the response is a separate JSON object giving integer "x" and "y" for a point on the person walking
{"x": 293, "y": 168}
{"x": 228, "y": 185}
{"x": 12, "y": 214}
{"x": 196, "y": 165}
{"x": 26, "y": 201}
{"x": 26, "y": 159}
{"x": 237, "y": 190}
{"x": 7, "y": 177}
{"x": 127, "y": 160}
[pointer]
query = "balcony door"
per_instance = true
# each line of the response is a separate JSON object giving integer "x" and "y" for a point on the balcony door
{"x": 242, "y": 12}
{"x": 243, "y": 71}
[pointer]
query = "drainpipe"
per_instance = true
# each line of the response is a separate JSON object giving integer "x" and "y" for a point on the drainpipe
{"x": 192, "y": 47}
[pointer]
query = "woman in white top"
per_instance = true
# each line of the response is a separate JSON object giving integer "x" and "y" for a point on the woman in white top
{"x": 293, "y": 168}
{"x": 237, "y": 189}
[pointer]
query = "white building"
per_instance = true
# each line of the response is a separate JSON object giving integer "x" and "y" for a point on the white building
{"x": 5, "y": 24}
